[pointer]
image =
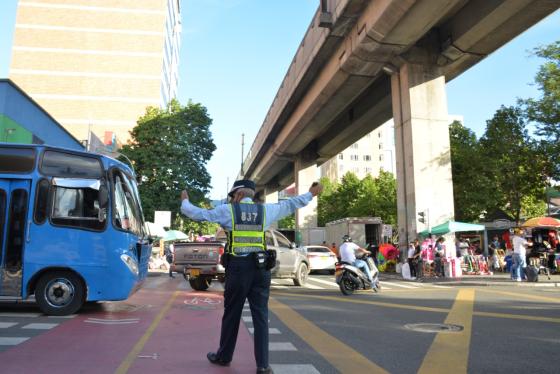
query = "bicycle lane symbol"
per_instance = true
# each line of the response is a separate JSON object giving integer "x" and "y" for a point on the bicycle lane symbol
{"x": 197, "y": 302}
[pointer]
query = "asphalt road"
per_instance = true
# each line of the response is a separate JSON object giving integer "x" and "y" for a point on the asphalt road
{"x": 406, "y": 328}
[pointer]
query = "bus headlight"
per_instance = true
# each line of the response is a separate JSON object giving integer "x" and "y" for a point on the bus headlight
{"x": 130, "y": 263}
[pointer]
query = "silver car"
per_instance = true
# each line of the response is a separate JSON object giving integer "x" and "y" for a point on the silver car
{"x": 290, "y": 262}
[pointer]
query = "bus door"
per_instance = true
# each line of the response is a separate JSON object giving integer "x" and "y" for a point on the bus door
{"x": 14, "y": 203}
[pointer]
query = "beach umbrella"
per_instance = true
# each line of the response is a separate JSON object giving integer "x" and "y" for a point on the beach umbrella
{"x": 542, "y": 222}
{"x": 174, "y": 235}
{"x": 452, "y": 226}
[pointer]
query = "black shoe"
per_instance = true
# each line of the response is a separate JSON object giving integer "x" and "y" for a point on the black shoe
{"x": 213, "y": 358}
{"x": 267, "y": 370}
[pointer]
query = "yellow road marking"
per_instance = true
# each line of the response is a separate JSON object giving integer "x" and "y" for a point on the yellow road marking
{"x": 344, "y": 299}
{"x": 450, "y": 351}
{"x": 517, "y": 316}
{"x": 125, "y": 365}
{"x": 525, "y": 295}
{"x": 341, "y": 356}
{"x": 368, "y": 302}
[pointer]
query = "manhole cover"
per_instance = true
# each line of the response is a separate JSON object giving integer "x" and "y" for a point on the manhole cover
{"x": 433, "y": 327}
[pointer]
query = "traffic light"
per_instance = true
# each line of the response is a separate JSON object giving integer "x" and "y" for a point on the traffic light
{"x": 422, "y": 217}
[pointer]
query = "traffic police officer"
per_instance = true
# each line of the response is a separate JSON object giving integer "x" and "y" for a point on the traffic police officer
{"x": 246, "y": 274}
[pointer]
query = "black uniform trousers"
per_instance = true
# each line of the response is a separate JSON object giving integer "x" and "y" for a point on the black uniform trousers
{"x": 245, "y": 281}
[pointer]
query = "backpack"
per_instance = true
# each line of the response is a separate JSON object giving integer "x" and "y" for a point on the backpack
{"x": 532, "y": 273}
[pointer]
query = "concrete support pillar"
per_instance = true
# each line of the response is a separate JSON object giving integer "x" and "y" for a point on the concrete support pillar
{"x": 271, "y": 197}
{"x": 306, "y": 217}
{"x": 422, "y": 148}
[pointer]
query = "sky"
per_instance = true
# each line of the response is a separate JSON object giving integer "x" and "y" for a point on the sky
{"x": 235, "y": 53}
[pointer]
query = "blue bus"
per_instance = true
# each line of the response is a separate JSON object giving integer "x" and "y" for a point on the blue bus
{"x": 71, "y": 228}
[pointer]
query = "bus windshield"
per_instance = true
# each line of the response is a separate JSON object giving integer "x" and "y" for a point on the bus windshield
{"x": 127, "y": 214}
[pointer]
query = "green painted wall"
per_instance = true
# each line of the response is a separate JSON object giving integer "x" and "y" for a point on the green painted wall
{"x": 12, "y": 132}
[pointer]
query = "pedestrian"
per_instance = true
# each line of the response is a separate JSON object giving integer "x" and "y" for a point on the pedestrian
{"x": 247, "y": 262}
{"x": 334, "y": 249}
{"x": 169, "y": 253}
{"x": 439, "y": 252}
{"x": 418, "y": 259}
{"x": 410, "y": 259}
{"x": 519, "y": 263}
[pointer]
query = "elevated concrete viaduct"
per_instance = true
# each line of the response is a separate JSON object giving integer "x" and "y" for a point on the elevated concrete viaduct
{"x": 362, "y": 62}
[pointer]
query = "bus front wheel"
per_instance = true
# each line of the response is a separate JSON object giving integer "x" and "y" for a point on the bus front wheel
{"x": 60, "y": 293}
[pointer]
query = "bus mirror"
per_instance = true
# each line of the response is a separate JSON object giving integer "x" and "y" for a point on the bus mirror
{"x": 103, "y": 197}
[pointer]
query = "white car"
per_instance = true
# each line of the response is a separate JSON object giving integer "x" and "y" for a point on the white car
{"x": 320, "y": 257}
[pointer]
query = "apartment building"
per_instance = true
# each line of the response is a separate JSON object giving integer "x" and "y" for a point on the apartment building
{"x": 95, "y": 65}
{"x": 369, "y": 155}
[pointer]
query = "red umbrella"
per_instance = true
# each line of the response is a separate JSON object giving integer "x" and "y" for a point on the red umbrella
{"x": 542, "y": 222}
{"x": 388, "y": 251}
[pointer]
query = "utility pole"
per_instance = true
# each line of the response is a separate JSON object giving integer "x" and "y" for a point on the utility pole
{"x": 242, "y": 152}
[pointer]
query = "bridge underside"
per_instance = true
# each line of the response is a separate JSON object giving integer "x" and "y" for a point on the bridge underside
{"x": 378, "y": 60}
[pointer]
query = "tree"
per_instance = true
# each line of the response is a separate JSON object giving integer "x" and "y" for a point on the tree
{"x": 545, "y": 111}
{"x": 169, "y": 149}
{"x": 376, "y": 197}
{"x": 288, "y": 222}
{"x": 511, "y": 161}
{"x": 472, "y": 191}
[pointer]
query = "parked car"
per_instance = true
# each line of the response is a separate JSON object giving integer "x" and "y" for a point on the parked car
{"x": 320, "y": 257}
{"x": 199, "y": 262}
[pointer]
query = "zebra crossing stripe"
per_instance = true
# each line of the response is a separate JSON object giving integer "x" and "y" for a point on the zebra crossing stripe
{"x": 12, "y": 341}
{"x": 294, "y": 369}
{"x": 398, "y": 285}
{"x": 5, "y": 325}
{"x": 21, "y": 315}
{"x": 281, "y": 346}
{"x": 312, "y": 287}
{"x": 40, "y": 326}
{"x": 271, "y": 330}
{"x": 328, "y": 283}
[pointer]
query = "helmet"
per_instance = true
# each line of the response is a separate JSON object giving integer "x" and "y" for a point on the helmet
{"x": 346, "y": 238}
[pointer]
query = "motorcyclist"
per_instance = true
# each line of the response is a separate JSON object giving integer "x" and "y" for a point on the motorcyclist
{"x": 348, "y": 251}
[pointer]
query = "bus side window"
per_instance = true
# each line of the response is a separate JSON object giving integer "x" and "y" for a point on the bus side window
{"x": 76, "y": 207}
{"x": 41, "y": 201}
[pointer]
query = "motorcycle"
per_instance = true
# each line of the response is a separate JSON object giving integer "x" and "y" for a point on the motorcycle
{"x": 350, "y": 278}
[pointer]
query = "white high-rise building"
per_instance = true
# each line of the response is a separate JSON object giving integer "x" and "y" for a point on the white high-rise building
{"x": 369, "y": 155}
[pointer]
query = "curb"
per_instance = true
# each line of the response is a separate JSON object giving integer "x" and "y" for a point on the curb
{"x": 473, "y": 282}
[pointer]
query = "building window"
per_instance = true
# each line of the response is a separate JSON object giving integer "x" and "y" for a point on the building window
{"x": 356, "y": 170}
{"x": 367, "y": 170}
{"x": 341, "y": 168}
{"x": 354, "y": 157}
{"x": 354, "y": 146}
{"x": 379, "y": 134}
{"x": 367, "y": 158}
{"x": 340, "y": 156}
{"x": 380, "y": 157}
{"x": 380, "y": 145}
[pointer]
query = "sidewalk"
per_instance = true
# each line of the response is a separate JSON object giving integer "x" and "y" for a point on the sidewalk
{"x": 497, "y": 279}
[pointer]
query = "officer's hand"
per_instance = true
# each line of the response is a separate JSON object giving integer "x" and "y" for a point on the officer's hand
{"x": 184, "y": 195}
{"x": 316, "y": 189}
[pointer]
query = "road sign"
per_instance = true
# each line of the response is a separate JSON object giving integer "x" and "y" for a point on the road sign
{"x": 162, "y": 218}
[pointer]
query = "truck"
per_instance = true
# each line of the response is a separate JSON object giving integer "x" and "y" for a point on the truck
{"x": 199, "y": 262}
{"x": 362, "y": 230}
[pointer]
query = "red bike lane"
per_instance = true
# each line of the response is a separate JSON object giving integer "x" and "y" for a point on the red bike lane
{"x": 164, "y": 330}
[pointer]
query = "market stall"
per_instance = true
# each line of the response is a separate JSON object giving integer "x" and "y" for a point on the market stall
{"x": 545, "y": 251}
{"x": 453, "y": 266}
